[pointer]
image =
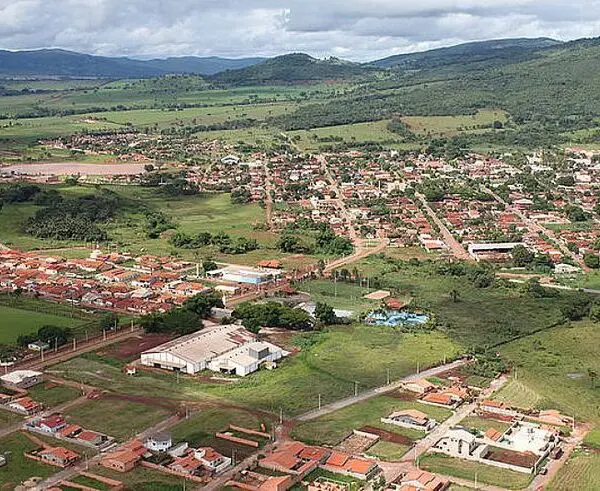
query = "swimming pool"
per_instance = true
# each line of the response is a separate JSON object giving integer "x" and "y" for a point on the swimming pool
{"x": 395, "y": 318}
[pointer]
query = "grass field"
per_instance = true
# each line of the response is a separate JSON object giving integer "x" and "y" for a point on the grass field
{"x": 453, "y": 125}
{"x": 18, "y": 321}
{"x": 8, "y": 418}
{"x": 465, "y": 469}
{"x": 581, "y": 472}
{"x": 320, "y": 368}
{"x": 483, "y": 424}
{"x": 387, "y": 451}
{"x": 54, "y": 396}
{"x": 332, "y": 428}
{"x": 120, "y": 419}
{"x": 554, "y": 366}
{"x": 19, "y": 468}
{"x": 340, "y": 295}
{"x": 142, "y": 479}
{"x": 518, "y": 395}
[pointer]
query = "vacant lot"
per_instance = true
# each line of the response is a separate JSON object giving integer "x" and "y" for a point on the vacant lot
{"x": 332, "y": 428}
{"x": 465, "y": 469}
{"x": 554, "y": 366}
{"x": 120, "y": 419}
{"x": 142, "y": 479}
{"x": 484, "y": 424}
{"x": 519, "y": 395}
{"x": 52, "y": 395}
{"x": 454, "y": 125}
{"x": 581, "y": 471}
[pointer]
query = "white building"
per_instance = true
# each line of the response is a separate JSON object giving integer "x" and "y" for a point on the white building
{"x": 161, "y": 442}
{"x": 457, "y": 443}
{"x": 212, "y": 459}
{"x": 22, "y": 379}
{"x": 227, "y": 348}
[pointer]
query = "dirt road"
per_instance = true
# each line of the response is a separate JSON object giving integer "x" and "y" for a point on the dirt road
{"x": 455, "y": 247}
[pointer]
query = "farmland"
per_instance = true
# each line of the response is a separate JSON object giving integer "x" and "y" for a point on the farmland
{"x": 581, "y": 471}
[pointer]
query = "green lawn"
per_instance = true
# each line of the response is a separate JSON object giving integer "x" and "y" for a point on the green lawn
{"x": 142, "y": 479}
{"x": 19, "y": 322}
{"x": 355, "y": 485}
{"x": 518, "y": 395}
{"x": 340, "y": 295}
{"x": 8, "y": 418}
{"x": 483, "y": 424}
{"x": 464, "y": 469}
{"x": 453, "y": 125}
{"x": 120, "y": 419}
{"x": 19, "y": 468}
{"x": 387, "y": 451}
{"x": 332, "y": 428}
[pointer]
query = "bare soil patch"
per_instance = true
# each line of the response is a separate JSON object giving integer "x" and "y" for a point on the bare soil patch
{"x": 388, "y": 436}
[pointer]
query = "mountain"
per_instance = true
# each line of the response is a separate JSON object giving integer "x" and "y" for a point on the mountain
{"x": 62, "y": 63}
{"x": 295, "y": 67}
{"x": 483, "y": 54}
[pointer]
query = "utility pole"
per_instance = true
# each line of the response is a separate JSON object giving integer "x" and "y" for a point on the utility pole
{"x": 42, "y": 353}
{"x": 55, "y": 344}
{"x": 355, "y": 388}
{"x": 280, "y": 415}
{"x": 74, "y": 344}
{"x": 104, "y": 334}
{"x": 388, "y": 376}
{"x": 476, "y": 486}
{"x": 418, "y": 367}
{"x": 319, "y": 402}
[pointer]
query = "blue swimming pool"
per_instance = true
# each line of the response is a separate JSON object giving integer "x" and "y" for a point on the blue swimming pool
{"x": 395, "y": 318}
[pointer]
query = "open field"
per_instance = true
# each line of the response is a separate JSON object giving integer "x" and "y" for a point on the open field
{"x": 19, "y": 468}
{"x": 388, "y": 451}
{"x": 454, "y": 125}
{"x": 483, "y": 424}
{"x": 18, "y": 321}
{"x": 581, "y": 471}
{"x": 118, "y": 418}
{"x": 332, "y": 428}
{"x": 340, "y": 295}
{"x": 518, "y": 394}
{"x": 142, "y": 479}
{"x": 8, "y": 418}
{"x": 53, "y": 396}
{"x": 70, "y": 168}
{"x": 320, "y": 368}
{"x": 442, "y": 464}
{"x": 554, "y": 365}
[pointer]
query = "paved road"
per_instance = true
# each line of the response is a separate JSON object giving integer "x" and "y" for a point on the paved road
{"x": 334, "y": 406}
{"x": 456, "y": 247}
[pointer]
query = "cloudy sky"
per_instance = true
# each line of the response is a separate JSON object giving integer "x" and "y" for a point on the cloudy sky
{"x": 358, "y": 30}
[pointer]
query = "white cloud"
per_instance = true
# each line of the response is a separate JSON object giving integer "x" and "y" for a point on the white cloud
{"x": 353, "y": 29}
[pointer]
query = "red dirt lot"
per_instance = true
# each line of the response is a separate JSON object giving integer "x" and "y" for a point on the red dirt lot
{"x": 522, "y": 459}
{"x": 388, "y": 436}
{"x": 402, "y": 396}
{"x": 131, "y": 348}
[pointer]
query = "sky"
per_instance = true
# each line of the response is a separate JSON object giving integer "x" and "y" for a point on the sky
{"x": 358, "y": 30}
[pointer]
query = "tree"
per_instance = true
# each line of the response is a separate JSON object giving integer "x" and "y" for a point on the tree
{"x": 454, "y": 295}
{"x": 522, "y": 256}
{"x": 54, "y": 335}
{"x": 209, "y": 265}
{"x": 109, "y": 321}
{"x": 592, "y": 261}
{"x": 593, "y": 375}
{"x": 202, "y": 304}
{"x": 325, "y": 314}
{"x": 148, "y": 167}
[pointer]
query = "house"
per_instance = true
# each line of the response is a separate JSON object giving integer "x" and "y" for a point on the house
{"x": 457, "y": 443}
{"x": 497, "y": 408}
{"x": 443, "y": 399}
{"x": 160, "y": 442}
{"x": 418, "y": 480}
{"x": 25, "y": 405}
{"x": 125, "y": 458}
{"x": 348, "y": 465}
{"x": 91, "y": 438}
{"x": 50, "y": 424}
{"x": 410, "y": 418}
{"x": 187, "y": 464}
{"x": 21, "y": 379}
{"x": 60, "y": 456}
{"x": 421, "y": 386}
{"x": 212, "y": 460}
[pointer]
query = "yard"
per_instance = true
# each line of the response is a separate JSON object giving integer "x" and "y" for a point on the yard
{"x": 117, "y": 418}
{"x": 464, "y": 469}
{"x": 484, "y": 424}
{"x": 332, "y": 428}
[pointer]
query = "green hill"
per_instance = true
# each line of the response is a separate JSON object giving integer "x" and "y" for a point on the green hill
{"x": 293, "y": 68}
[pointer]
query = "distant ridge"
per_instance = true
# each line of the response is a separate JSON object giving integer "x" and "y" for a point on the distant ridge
{"x": 475, "y": 53}
{"x": 62, "y": 63}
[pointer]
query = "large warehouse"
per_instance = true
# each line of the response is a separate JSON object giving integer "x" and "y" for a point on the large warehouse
{"x": 227, "y": 349}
